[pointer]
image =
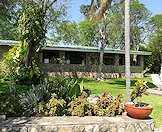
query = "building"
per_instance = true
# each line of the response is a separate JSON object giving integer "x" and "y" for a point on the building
{"x": 82, "y": 61}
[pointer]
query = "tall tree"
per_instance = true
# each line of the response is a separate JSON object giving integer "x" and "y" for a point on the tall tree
{"x": 8, "y": 17}
{"x": 66, "y": 32}
{"x": 127, "y": 49}
{"x": 34, "y": 18}
{"x": 155, "y": 43}
{"x": 139, "y": 19}
{"x": 100, "y": 18}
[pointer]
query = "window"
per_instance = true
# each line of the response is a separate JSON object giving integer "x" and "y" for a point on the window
{"x": 75, "y": 57}
{"x": 121, "y": 60}
{"x": 50, "y": 57}
{"x": 109, "y": 59}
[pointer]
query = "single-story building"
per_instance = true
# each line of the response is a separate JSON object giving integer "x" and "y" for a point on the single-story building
{"x": 83, "y": 61}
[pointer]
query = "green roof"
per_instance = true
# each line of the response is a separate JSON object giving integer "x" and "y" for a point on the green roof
{"x": 78, "y": 48}
{"x": 8, "y": 42}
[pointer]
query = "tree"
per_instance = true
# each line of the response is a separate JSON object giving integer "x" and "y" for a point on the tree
{"x": 34, "y": 19}
{"x": 66, "y": 32}
{"x": 89, "y": 33}
{"x": 139, "y": 19}
{"x": 127, "y": 49}
{"x": 155, "y": 43}
{"x": 8, "y": 17}
{"x": 115, "y": 24}
{"x": 101, "y": 20}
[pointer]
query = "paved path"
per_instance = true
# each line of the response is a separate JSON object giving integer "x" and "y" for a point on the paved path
{"x": 154, "y": 91}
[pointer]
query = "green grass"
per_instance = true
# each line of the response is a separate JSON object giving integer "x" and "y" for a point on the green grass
{"x": 116, "y": 86}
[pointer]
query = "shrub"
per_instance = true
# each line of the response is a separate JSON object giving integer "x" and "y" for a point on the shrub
{"x": 65, "y": 88}
{"x": 30, "y": 101}
{"x": 107, "y": 105}
{"x": 9, "y": 104}
{"x": 139, "y": 89}
{"x": 80, "y": 107}
{"x": 54, "y": 107}
{"x": 15, "y": 63}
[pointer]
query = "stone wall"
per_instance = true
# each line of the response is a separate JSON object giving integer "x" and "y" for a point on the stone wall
{"x": 87, "y": 68}
{"x": 93, "y": 74}
{"x": 89, "y": 71}
{"x": 77, "y": 124}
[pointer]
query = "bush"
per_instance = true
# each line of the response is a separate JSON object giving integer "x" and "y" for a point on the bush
{"x": 54, "y": 107}
{"x": 9, "y": 104}
{"x": 30, "y": 101}
{"x": 14, "y": 66}
{"x": 65, "y": 88}
{"x": 80, "y": 107}
{"x": 139, "y": 89}
{"x": 107, "y": 105}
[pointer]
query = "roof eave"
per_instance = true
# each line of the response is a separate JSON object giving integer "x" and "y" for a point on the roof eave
{"x": 96, "y": 50}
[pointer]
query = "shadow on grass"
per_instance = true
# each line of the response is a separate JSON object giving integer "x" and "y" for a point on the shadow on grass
{"x": 121, "y": 82}
{"x": 150, "y": 85}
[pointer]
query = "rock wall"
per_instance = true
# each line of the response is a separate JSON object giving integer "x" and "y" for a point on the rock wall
{"x": 77, "y": 124}
{"x": 93, "y": 74}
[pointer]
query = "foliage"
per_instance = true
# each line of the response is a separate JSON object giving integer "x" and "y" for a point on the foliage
{"x": 80, "y": 107}
{"x": 30, "y": 101}
{"x": 140, "y": 88}
{"x": 155, "y": 43}
{"x": 35, "y": 16}
{"x": 65, "y": 88}
{"x": 66, "y": 32}
{"x": 9, "y": 104}
{"x": 14, "y": 62}
{"x": 107, "y": 105}
{"x": 8, "y": 16}
{"x": 54, "y": 107}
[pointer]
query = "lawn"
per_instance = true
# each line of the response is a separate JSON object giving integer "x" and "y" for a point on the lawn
{"x": 116, "y": 86}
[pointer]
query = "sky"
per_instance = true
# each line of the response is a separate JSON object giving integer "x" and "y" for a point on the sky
{"x": 155, "y": 6}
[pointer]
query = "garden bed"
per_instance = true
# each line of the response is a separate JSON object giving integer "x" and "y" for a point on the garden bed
{"x": 77, "y": 124}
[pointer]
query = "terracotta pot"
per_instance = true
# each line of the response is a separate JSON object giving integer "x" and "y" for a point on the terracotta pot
{"x": 138, "y": 112}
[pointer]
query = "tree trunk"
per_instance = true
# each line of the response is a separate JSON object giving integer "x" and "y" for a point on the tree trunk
{"x": 127, "y": 49}
{"x": 103, "y": 7}
{"x": 29, "y": 54}
{"x": 92, "y": 10}
{"x": 99, "y": 76}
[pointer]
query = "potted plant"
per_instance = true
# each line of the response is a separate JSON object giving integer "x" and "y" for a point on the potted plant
{"x": 138, "y": 110}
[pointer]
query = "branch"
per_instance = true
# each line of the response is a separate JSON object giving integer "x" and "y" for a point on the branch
{"x": 92, "y": 10}
{"x": 103, "y": 7}
{"x": 50, "y": 4}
